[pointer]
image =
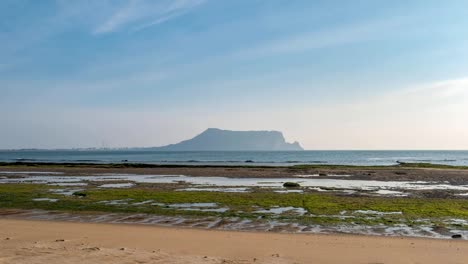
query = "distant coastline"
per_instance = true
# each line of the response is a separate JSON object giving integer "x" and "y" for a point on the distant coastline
{"x": 237, "y": 158}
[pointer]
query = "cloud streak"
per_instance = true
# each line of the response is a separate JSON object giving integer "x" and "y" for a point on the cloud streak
{"x": 139, "y": 14}
{"x": 327, "y": 37}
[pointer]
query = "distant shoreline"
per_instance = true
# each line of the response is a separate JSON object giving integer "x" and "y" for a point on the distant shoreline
{"x": 124, "y": 164}
{"x": 147, "y": 158}
{"x": 155, "y": 149}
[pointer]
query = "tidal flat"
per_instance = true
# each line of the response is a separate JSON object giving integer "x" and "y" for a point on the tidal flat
{"x": 326, "y": 201}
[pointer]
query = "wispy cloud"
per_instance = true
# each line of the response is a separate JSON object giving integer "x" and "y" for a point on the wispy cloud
{"x": 323, "y": 38}
{"x": 455, "y": 88}
{"x": 141, "y": 14}
{"x": 124, "y": 15}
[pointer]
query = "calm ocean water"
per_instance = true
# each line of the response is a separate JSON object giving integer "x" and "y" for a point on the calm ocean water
{"x": 240, "y": 157}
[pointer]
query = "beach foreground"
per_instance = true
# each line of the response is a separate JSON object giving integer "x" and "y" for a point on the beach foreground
{"x": 418, "y": 200}
{"x": 24, "y": 241}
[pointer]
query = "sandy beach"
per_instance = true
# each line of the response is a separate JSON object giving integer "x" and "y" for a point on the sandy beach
{"x": 23, "y": 241}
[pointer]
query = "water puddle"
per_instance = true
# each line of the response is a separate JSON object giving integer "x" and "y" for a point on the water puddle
{"x": 216, "y": 210}
{"x": 318, "y": 189}
{"x": 116, "y": 185}
{"x": 45, "y": 200}
{"x": 321, "y": 175}
{"x": 391, "y": 193}
{"x": 229, "y": 190}
{"x": 203, "y": 207}
{"x": 460, "y": 222}
{"x": 64, "y": 184}
{"x": 31, "y": 172}
{"x": 144, "y": 202}
{"x": 372, "y": 212}
{"x": 66, "y": 192}
{"x": 241, "y": 182}
{"x": 187, "y": 205}
{"x": 223, "y": 184}
{"x": 281, "y": 210}
{"x": 288, "y": 191}
{"x": 116, "y": 202}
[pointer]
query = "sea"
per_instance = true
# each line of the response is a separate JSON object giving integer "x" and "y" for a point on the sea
{"x": 252, "y": 158}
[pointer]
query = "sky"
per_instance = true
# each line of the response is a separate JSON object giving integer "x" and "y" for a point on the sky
{"x": 329, "y": 74}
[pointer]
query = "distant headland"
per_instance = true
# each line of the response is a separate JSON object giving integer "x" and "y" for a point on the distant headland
{"x": 214, "y": 139}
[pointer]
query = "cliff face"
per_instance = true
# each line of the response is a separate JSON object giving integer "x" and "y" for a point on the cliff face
{"x": 217, "y": 139}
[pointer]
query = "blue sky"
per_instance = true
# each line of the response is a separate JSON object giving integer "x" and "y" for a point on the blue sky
{"x": 330, "y": 74}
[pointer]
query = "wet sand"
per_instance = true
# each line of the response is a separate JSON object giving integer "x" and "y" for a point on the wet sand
{"x": 23, "y": 241}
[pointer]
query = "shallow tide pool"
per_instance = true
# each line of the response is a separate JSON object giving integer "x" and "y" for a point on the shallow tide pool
{"x": 238, "y": 182}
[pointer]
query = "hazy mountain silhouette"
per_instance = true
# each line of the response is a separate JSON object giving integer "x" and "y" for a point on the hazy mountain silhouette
{"x": 217, "y": 139}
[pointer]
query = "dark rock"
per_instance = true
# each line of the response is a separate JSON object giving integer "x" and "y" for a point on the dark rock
{"x": 291, "y": 185}
{"x": 323, "y": 174}
{"x": 249, "y": 161}
{"x": 80, "y": 194}
{"x": 456, "y": 236}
